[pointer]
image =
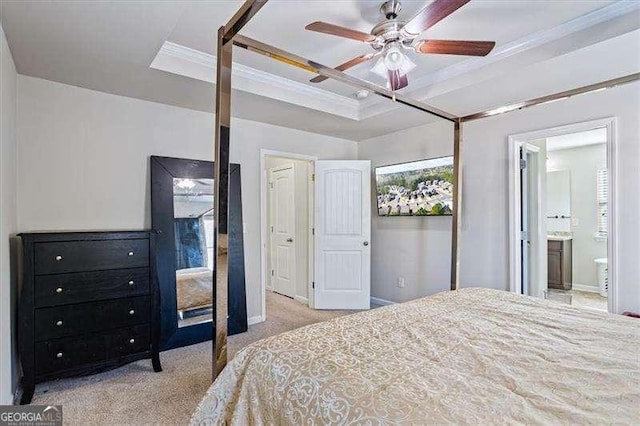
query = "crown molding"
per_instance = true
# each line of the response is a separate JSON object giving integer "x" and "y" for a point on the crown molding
{"x": 530, "y": 41}
{"x": 182, "y": 60}
{"x": 376, "y": 106}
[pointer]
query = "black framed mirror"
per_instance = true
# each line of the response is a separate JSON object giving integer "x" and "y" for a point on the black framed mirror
{"x": 182, "y": 214}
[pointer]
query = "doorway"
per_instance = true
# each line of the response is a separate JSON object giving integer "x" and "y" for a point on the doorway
{"x": 287, "y": 227}
{"x": 562, "y": 211}
{"x": 325, "y": 248}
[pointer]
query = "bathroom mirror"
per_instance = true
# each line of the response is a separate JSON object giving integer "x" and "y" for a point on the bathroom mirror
{"x": 182, "y": 215}
{"x": 559, "y": 200}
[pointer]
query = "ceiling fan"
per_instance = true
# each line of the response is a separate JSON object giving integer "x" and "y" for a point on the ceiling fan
{"x": 392, "y": 38}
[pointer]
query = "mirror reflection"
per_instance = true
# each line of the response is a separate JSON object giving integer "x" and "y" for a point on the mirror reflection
{"x": 194, "y": 235}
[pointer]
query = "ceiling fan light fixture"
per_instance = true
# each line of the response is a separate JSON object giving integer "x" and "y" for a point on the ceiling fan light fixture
{"x": 380, "y": 68}
{"x": 407, "y": 66}
{"x": 393, "y": 57}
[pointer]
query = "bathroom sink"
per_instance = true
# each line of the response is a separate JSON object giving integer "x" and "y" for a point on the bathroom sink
{"x": 559, "y": 237}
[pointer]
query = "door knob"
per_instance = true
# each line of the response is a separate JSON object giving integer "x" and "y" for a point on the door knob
{"x": 366, "y": 243}
{"x": 289, "y": 240}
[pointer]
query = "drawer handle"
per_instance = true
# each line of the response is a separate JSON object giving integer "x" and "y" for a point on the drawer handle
{"x": 131, "y": 312}
{"x": 59, "y": 355}
{"x": 58, "y": 258}
{"x": 130, "y": 253}
{"x": 59, "y": 290}
{"x": 132, "y": 341}
{"x": 131, "y": 282}
{"x": 59, "y": 323}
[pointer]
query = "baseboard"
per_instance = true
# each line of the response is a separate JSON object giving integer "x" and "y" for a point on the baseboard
{"x": 381, "y": 302}
{"x": 587, "y": 288}
{"x": 255, "y": 320}
{"x": 302, "y": 300}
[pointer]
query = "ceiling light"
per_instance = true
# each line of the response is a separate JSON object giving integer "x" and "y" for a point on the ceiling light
{"x": 185, "y": 184}
{"x": 393, "y": 58}
{"x": 361, "y": 94}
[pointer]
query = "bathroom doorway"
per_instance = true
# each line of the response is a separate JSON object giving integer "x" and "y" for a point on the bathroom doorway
{"x": 562, "y": 214}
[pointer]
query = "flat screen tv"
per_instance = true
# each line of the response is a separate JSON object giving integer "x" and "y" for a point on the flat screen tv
{"x": 419, "y": 188}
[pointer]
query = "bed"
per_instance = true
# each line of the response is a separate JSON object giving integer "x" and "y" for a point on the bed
{"x": 193, "y": 288}
{"x": 472, "y": 356}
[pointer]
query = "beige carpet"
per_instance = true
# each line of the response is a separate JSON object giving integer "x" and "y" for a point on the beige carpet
{"x": 134, "y": 394}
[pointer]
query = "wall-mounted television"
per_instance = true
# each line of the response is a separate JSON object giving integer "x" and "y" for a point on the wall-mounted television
{"x": 418, "y": 188}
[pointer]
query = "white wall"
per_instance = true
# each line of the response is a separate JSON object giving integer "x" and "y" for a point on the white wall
{"x": 417, "y": 249}
{"x": 83, "y": 160}
{"x": 484, "y": 237}
{"x": 8, "y": 223}
{"x": 582, "y": 163}
{"x": 301, "y": 202}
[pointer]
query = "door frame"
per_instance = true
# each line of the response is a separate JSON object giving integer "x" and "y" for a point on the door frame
{"x": 514, "y": 142}
{"x": 536, "y": 238}
{"x": 264, "y": 183}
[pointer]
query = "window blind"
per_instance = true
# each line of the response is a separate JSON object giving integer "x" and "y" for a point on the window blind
{"x": 602, "y": 190}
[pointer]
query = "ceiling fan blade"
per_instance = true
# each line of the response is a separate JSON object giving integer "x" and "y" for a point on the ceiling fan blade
{"x": 455, "y": 47}
{"x": 336, "y": 30}
{"x": 432, "y": 14}
{"x": 397, "y": 81}
{"x": 342, "y": 67}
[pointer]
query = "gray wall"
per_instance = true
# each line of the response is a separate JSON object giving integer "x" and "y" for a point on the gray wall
{"x": 83, "y": 160}
{"x": 582, "y": 163}
{"x": 8, "y": 221}
{"x": 423, "y": 244}
{"x": 414, "y": 248}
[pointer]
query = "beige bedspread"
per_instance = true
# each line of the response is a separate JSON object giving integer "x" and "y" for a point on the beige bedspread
{"x": 473, "y": 356}
{"x": 193, "y": 288}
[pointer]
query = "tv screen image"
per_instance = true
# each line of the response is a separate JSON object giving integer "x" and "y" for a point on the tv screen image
{"x": 418, "y": 188}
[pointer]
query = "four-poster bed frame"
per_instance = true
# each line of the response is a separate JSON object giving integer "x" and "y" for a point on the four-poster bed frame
{"x": 228, "y": 36}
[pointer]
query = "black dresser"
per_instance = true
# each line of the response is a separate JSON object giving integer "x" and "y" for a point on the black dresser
{"x": 88, "y": 302}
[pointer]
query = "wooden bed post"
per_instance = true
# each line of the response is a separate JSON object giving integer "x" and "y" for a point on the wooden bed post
{"x": 457, "y": 199}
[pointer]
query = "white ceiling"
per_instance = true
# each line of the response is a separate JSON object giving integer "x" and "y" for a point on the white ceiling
{"x": 109, "y": 46}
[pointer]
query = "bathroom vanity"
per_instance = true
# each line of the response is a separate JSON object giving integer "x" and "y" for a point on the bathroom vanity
{"x": 559, "y": 274}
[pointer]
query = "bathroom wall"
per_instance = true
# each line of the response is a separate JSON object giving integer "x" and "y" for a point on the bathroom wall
{"x": 582, "y": 163}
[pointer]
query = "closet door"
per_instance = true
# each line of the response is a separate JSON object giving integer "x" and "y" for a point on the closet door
{"x": 282, "y": 230}
{"x": 342, "y": 235}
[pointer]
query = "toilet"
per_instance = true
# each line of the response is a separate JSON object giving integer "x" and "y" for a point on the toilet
{"x": 603, "y": 278}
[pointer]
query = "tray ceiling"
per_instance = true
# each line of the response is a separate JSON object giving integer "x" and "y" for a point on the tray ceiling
{"x": 111, "y": 46}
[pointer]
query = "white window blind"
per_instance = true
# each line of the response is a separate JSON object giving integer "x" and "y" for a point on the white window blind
{"x": 602, "y": 188}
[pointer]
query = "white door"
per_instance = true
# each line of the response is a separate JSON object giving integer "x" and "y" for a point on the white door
{"x": 342, "y": 235}
{"x": 282, "y": 230}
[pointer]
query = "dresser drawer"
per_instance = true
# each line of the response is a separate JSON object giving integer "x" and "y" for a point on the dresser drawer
{"x": 79, "y": 256}
{"x": 69, "y": 320}
{"x": 61, "y": 354}
{"x": 62, "y": 289}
